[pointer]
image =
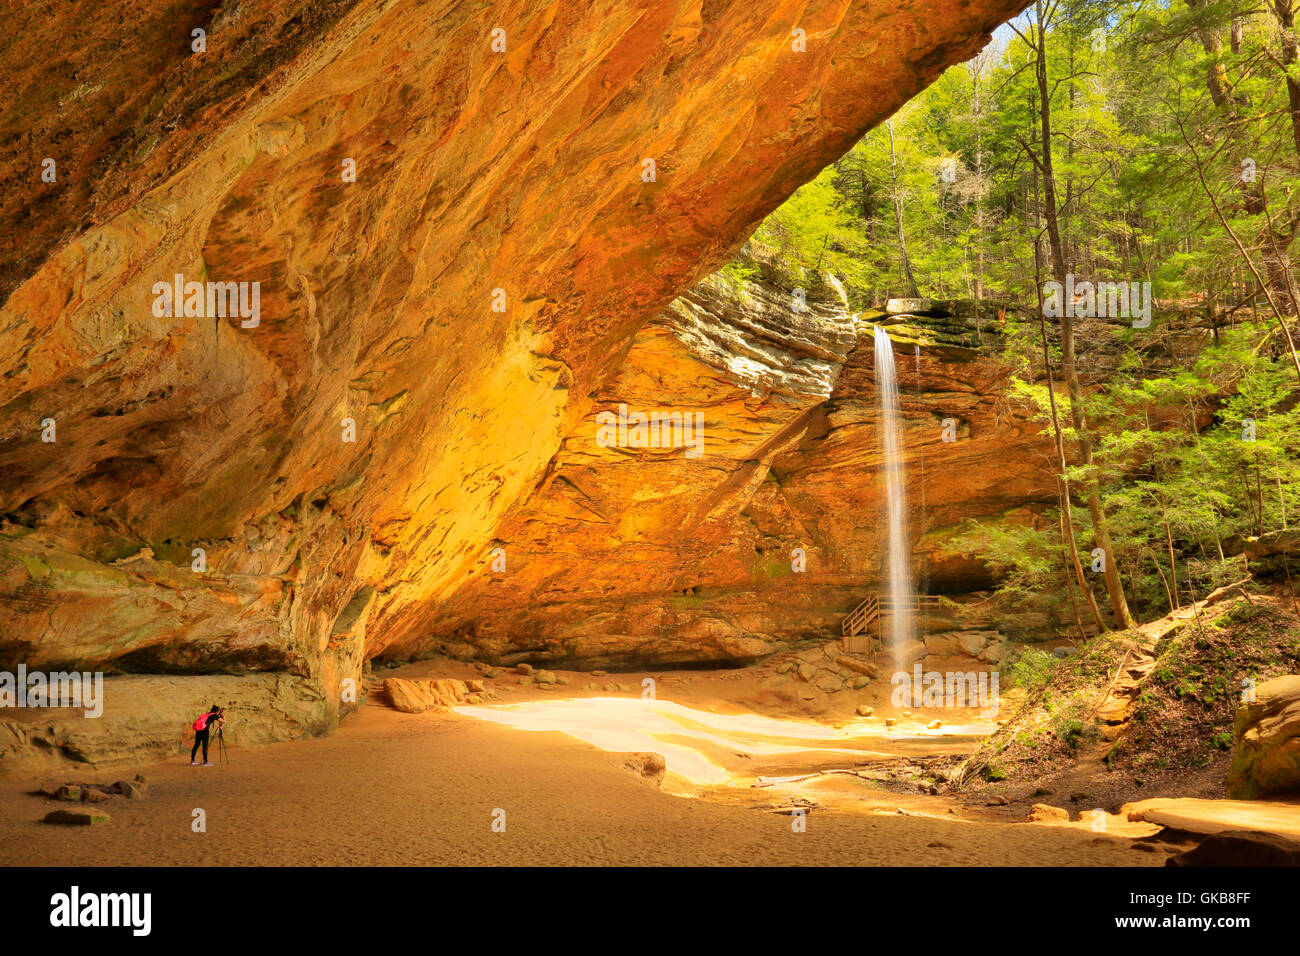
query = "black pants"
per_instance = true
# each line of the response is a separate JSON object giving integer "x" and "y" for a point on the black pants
{"x": 200, "y": 737}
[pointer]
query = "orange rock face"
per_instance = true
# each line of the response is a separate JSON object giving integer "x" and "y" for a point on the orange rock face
{"x": 775, "y": 531}
{"x": 324, "y": 478}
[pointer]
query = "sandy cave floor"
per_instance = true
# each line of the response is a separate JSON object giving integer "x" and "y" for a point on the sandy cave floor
{"x": 402, "y": 789}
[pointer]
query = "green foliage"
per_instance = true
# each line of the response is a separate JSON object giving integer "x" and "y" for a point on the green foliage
{"x": 1175, "y": 161}
{"x": 1032, "y": 670}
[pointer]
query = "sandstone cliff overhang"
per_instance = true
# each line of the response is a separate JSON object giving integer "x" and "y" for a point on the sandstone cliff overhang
{"x": 195, "y": 493}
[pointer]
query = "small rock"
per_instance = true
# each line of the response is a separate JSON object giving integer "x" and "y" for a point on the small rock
{"x": 611, "y": 687}
{"x": 83, "y": 818}
{"x": 1001, "y": 801}
{"x": 890, "y": 722}
{"x": 598, "y": 673}
{"x": 70, "y": 793}
{"x": 907, "y": 713}
{"x": 562, "y": 680}
{"x": 934, "y": 725}
{"x": 545, "y": 677}
{"x": 476, "y": 686}
{"x": 860, "y": 682}
{"x": 652, "y": 766}
{"x": 526, "y": 681}
{"x": 490, "y": 672}
{"x": 474, "y": 699}
{"x": 93, "y": 796}
{"x": 524, "y": 668}
{"x": 807, "y": 672}
{"x": 865, "y": 711}
{"x": 829, "y": 683}
{"x": 785, "y": 668}
{"x": 1042, "y": 811}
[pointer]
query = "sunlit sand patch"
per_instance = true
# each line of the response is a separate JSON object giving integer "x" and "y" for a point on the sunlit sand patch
{"x": 692, "y": 741}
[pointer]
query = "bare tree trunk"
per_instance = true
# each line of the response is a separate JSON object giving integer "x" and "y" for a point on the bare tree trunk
{"x": 1114, "y": 586}
{"x": 1063, "y": 483}
{"x": 908, "y": 278}
{"x": 1173, "y": 564}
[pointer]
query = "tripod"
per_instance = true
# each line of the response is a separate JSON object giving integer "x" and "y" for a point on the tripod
{"x": 222, "y": 757}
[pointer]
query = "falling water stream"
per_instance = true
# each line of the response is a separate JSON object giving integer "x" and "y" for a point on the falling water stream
{"x": 898, "y": 571}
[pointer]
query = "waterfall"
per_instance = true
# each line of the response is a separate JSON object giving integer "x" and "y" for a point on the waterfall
{"x": 899, "y": 569}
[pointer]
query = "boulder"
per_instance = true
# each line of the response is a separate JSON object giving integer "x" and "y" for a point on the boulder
{"x": 1267, "y": 733}
{"x": 857, "y": 666}
{"x": 131, "y": 789}
{"x": 942, "y": 645}
{"x": 1041, "y": 812}
{"x": 975, "y": 642}
{"x": 417, "y": 696}
{"x": 1240, "y": 848}
{"x": 828, "y": 683}
{"x": 994, "y": 652}
{"x": 85, "y": 818}
{"x": 911, "y": 307}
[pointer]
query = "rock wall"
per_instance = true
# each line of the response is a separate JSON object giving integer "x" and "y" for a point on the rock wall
{"x": 145, "y": 719}
{"x": 296, "y": 490}
{"x": 648, "y": 555}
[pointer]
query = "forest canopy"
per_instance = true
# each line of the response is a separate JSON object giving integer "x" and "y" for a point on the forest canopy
{"x": 1151, "y": 144}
